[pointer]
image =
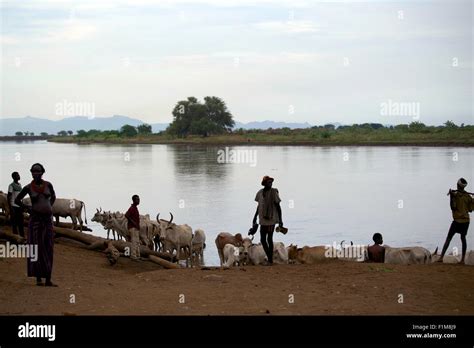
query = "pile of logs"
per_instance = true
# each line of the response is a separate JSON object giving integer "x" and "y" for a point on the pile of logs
{"x": 110, "y": 247}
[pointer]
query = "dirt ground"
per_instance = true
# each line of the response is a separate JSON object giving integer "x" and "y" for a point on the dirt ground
{"x": 144, "y": 288}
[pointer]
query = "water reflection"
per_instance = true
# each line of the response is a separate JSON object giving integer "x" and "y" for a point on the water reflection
{"x": 200, "y": 161}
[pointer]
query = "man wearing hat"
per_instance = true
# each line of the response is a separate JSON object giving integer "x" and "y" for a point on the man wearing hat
{"x": 269, "y": 213}
{"x": 462, "y": 203}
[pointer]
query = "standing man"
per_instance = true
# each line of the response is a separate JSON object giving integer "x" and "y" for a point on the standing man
{"x": 461, "y": 205}
{"x": 269, "y": 213}
{"x": 16, "y": 213}
{"x": 133, "y": 225}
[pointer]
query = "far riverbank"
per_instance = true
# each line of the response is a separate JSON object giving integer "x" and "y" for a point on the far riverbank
{"x": 464, "y": 139}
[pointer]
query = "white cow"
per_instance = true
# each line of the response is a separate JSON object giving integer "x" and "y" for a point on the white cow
{"x": 198, "y": 243}
{"x": 256, "y": 254}
{"x": 64, "y": 207}
{"x": 148, "y": 230}
{"x": 176, "y": 237}
{"x": 118, "y": 223}
{"x": 101, "y": 217}
{"x": 353, "y": 253}
{"x": 280, "y": 253}
{"x": 407, "y": 255}
{"x": 232, "y": 255}
{"x": 469, "y": 259}
{"x": 446, "y": 259}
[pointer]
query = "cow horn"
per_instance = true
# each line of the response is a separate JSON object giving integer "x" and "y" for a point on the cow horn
{"x": 436, "y": 251}
{"x": 171, "y": 218}
{"x": 158, "y": 217}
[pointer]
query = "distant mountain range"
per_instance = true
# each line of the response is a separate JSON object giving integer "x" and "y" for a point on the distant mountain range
{"x": 9, "y": 126}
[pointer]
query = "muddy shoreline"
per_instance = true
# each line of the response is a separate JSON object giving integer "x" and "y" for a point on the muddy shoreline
{"x": 144, "y": 288}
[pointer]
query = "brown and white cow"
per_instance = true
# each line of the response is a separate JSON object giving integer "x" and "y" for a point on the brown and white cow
{"x": 224, "y": 238}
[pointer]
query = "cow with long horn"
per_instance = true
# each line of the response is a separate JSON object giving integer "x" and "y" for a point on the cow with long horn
{"x": 176, "y": 237}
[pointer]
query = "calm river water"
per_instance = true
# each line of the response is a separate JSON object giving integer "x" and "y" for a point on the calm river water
{"x": 328, "y": 193}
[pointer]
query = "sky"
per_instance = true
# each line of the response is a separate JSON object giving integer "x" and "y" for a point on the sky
{"x": 281, "y": 60}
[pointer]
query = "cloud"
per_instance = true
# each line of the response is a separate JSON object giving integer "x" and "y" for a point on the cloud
{"x": 94, "y": 4}
{"x": 72, "y": 31}
{"x": 289, "y": 27}
{"x": 229, "y": 59}
{"x": 9, "y": 40}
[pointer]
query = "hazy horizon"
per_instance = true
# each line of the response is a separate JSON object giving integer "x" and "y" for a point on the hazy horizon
{"x": 236, "y": 120}
{"x": 280, "y": 60}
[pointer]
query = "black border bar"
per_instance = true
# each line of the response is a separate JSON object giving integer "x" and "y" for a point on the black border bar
{"x": 190, "y": 330}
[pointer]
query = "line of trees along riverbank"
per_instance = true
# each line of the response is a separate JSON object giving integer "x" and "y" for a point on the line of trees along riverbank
{"x": 362, "y": 134}
{"x": 210, "y": 121}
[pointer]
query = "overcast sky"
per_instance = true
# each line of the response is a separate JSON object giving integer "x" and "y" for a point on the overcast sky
{"x": 293, "y": 61}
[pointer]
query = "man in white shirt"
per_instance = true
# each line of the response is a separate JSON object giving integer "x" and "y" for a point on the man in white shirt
{"x": 16, "y": 213}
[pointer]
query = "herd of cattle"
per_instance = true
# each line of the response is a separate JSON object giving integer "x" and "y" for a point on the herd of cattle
{"x": 167, "y": 236}
{"x": 160, "y": 234}
{"x": 61, "y": 208}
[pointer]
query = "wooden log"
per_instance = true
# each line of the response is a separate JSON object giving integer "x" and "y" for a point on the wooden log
{"x": 163, "y": 263}
{"x": 14, "y": 238}
{"x": 111, "y": 252}
{"x": 69, "y": 225}
{"x": 75, "y": 235}
{"x": 97, "y": 243}
{"x": 144, "y": 251}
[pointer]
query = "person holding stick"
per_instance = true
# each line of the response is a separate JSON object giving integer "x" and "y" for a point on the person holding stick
{"x": 462, "y": 203}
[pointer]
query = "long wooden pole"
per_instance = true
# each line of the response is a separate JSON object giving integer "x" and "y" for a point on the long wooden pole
{"x": 451, "y": 191}
{"x": 93, "y": 242}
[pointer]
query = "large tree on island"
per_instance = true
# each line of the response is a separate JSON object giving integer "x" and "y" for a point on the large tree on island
{"x": 193, "y": 117}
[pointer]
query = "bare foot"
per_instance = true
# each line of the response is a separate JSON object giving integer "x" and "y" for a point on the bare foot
{"x": 51, "y": 284}
{"x": 461, "y": 262}
{"x": 440, "y": 260}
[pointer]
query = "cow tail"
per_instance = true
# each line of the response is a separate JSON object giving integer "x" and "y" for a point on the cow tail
{"x": 85, "y": 215}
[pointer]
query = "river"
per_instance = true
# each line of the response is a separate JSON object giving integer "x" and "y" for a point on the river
{"x": 328, "y": 194}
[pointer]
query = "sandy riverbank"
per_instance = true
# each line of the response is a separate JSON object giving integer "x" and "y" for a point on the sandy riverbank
{"x": 144, "y": 288}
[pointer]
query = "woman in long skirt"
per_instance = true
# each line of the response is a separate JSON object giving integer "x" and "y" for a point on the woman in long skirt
{"x": 40, "y": 233}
